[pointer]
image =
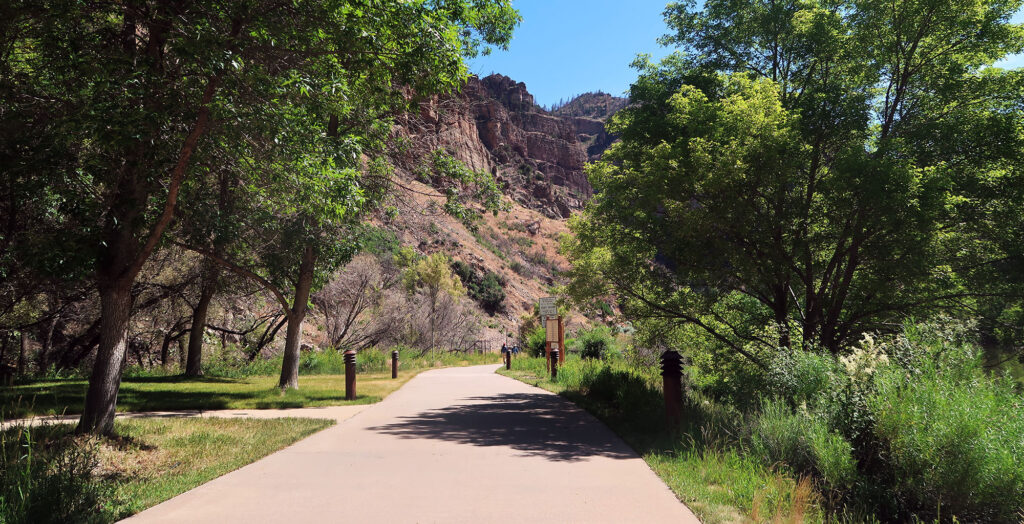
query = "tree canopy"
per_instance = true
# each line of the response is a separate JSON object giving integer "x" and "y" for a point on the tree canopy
{"x": 123, "y": 109}
{"x": 800, "y": 173}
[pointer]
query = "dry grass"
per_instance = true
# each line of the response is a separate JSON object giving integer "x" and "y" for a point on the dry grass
{"x": 791, "y": 502}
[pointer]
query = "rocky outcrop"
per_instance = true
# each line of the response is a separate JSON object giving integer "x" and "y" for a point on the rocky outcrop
{"x": 493, "y": 124}
{"x": 595, "y": 105}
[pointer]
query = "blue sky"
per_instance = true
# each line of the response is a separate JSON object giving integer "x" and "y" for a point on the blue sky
{"x": 568, "y": 47}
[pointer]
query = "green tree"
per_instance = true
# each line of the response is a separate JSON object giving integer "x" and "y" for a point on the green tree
{"x": 130, "y": 95}
{"x": 808, "y": 165}
{"x": 433, "y": 275}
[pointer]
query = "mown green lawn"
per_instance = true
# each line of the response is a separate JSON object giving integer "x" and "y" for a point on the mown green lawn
{"x": 171, "y": 393}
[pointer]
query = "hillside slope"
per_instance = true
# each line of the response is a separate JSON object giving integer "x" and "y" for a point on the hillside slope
{"x": 537, "y": 157}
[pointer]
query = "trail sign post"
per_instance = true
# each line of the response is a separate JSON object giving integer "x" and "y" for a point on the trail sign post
{"x": 554, "y": 330}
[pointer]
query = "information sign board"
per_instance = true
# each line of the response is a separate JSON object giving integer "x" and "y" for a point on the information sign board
{"x": 547, "y": 307}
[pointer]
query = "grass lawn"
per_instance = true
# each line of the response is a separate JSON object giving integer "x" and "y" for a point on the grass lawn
{"x": 171, "y": 393}
{"x": 715, "y": 480}
{"x": 322, "y": 385}
{"x": 150, "y": 461}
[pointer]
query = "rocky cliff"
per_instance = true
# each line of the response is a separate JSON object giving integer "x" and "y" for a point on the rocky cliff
{"x": 493, "y": 124}
{"x": 588, "y": 112}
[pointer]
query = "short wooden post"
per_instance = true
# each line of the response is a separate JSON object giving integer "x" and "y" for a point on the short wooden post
{"x": 554, "y": 363}
{"x": 394, "y": 364}
{"x": 350, "y": 375}
{"x": 672, "y": 377}
{"x": 508, "y": 359}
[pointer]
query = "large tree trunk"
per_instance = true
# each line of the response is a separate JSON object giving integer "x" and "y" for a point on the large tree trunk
{"x": 128, "y": 248}
{"x": 780, "y": 305}
{"x": 293, "y": 339}
{"x": 194, "y": 365}
{"x": 101, "y": 399}
{"x": 292, "y": 345}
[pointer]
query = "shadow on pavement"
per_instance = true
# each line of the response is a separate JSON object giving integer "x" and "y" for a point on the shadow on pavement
{"x": 538, "y": 425}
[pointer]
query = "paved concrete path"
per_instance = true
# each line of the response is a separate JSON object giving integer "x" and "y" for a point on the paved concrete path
{"x": 452, "y": 445}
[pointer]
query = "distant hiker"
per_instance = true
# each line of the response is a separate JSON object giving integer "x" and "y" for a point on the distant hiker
{"x": 504, "y": 348}
{"x": 515, "y": 349}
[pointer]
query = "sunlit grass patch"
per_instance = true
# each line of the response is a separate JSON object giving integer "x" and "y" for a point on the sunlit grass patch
{"x": 177, "y": 393}
{"x": 52, "y": 475}
{"x": 164, "y": 457}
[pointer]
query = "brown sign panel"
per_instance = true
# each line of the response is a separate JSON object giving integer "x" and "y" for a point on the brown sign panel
{"x": 551, "y": 329}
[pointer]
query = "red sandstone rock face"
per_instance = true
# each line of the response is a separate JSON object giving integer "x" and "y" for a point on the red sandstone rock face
{"x": 494, "y": 125}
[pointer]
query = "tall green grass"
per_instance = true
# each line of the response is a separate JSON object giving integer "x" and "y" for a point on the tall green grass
{"x": 45, "y": 479}
{"x": 954, "y": 443}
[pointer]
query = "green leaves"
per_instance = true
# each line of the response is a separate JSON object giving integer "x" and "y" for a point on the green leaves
{"x": 797, "y": 165}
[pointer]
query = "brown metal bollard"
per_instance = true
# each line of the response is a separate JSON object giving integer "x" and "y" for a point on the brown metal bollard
{"x": 554, "y": 363}
{"x": 672, "y": 376}
{"x": 508, "y": 359}
{"x": 350, "y": 375}
{"x": 394, "y": 364}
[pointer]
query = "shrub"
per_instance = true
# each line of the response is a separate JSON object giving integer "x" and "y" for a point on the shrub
{"x": 535, "y": 342}
{"x": 595, "y": 342}
{"x": 801, "y": 376}
{"x": 519, "y": 268}
{"x": 538, "y": 257}
{"x": 833, "y": 457}
{"x": 725, "y": 377}
{"x": 229, "y": 362}
{"x": 954, "y": 446}
{"x": 626, "y": 395}
{"x": 523, "y": 242}
{"x": 487, "y": 290}
{"x": 490, "y": 292}
{"x": 378, "y": 241}
{"x": 514, "y": 226}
